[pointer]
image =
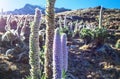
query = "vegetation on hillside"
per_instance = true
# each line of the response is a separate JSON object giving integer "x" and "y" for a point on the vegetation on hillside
{"x": 84, "y": 44}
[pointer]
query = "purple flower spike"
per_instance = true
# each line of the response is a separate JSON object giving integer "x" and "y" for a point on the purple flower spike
{"x": 64, "y": 52}
{"x": 57, "y": 67}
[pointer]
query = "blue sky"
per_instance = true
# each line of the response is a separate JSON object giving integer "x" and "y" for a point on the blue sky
{"x": 71, "y": 4}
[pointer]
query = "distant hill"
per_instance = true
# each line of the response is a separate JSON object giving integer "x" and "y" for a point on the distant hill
{"x": 30, "y": 9}
{"x": 111, "y": 17}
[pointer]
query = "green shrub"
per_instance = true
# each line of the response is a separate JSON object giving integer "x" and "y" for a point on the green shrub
{"x": 87, "y": 35}
{"x": 97, "y": 34}
{"x": 64, "y": 29}
{"x": 100, "y": 33}
{"x": 68, "y": 32}
{"x": 28, "y": 77}
{"x": 117, "y": 45}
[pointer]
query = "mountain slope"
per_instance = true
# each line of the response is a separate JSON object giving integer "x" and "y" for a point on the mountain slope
{"x": 111, "y": 17}
{"x": 30, "y": 9}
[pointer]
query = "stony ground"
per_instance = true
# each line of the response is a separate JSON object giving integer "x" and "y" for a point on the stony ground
{"x": 85, "y": 62}
{"x": 90, "y": 62}
{"x": 12, "y": 69}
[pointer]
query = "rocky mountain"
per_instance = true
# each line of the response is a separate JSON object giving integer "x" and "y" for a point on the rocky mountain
{"x": 30, "y": 9}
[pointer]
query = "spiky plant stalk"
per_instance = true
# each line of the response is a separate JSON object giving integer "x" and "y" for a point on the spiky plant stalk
{"x": 76, "y": 26}
{"x": 8, "y": 27}
{"x": 57, "y": 56}
{"x": 34, "y": 47}
{"x": 65, "y": 21}
{"x": 1, "y": 13}
{"x": 64, "y": 52}
{"x": 60, "y": 22}
{"x": 24, "y": 27}
{"x": 100, "y": 17}
{"x": 71, "y": 26}
{"x": 49, "y": 38}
